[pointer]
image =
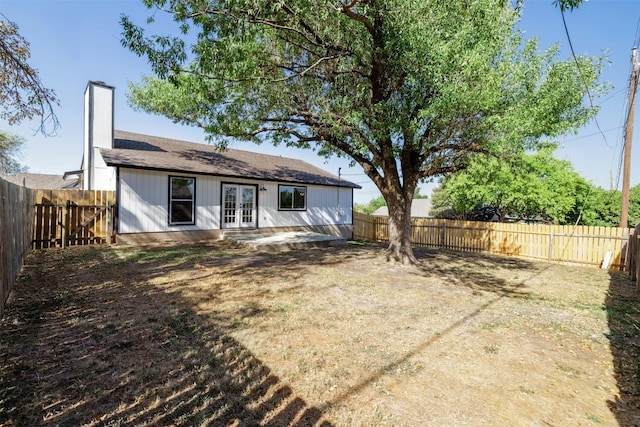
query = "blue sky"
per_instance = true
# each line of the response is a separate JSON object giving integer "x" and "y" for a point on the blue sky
{"x": 74, "y": 41}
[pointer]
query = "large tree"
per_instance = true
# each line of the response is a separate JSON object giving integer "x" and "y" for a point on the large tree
{"x": 9, "y": 150}
{"x": 532, "y": 185}
{"x": 604, "y": 206}
{"x": 407, "y": 89}
{"x": 22, "y": 94}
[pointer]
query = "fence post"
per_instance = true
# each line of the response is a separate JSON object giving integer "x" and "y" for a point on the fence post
{"x": 551, "y": 239}
{"x": 634, "y": 245}
{"x": 631, "y": 253}
{"x": 444, "y": 232}
{"x": 66, "y": 209}
{"x": 636, "y": 255}
{"x": 627, "y": 251}
{"x": 109, "y": 222}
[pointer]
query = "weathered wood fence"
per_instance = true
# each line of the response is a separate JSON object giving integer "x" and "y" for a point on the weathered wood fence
{"x": 581, "y": 245}
{"x": 634, "y": 257}
{"x": 16, "y": 224}
{"x": 73, "y": 217}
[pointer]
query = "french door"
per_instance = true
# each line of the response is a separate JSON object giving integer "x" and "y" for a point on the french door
{"x": 238, "y": 206}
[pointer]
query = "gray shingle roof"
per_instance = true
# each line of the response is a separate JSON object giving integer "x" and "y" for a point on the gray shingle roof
{"x": 40, "y": 181}
{"x": 420, "y": 208}
{"x": 155, "y": 153}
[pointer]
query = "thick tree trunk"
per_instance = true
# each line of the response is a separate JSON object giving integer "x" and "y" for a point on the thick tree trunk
{"x": 400, "y": 249}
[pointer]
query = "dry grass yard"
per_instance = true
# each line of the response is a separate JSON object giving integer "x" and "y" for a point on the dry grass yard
{"x": 224, "y": 336}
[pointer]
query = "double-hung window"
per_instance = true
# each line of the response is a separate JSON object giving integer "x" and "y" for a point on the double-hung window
{"x": 292, "y": 198}
{"x": 182, "y": 200}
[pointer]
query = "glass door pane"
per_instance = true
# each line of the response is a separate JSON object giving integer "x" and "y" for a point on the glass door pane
{"x": 247, "y": 208}
{"x": 230, "y": 208}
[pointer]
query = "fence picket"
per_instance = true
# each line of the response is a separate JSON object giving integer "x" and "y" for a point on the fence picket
{"x": 16, "y": 230}
{"x": 579, "y": 245}
{"x": 72, "y": 217}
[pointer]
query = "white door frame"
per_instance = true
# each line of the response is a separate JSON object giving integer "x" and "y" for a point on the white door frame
{"x": 239, "y": 205}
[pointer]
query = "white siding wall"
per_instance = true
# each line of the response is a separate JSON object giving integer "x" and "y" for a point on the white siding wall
{"x": 144, "y": 200}
{"x": 322, "y": 207}
{"x": 86, "y": 158}
{"x": 98, "y": 133}
{"x": 104, "y": 177}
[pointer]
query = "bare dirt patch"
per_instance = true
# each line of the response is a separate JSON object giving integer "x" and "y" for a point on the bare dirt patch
{"x": 220, "y": 335}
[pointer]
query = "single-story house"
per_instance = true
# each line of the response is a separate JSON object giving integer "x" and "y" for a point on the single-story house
{"x": 166, "y": 186}
{"x": 41, "y": 181}
{"x": 420, "y": 208}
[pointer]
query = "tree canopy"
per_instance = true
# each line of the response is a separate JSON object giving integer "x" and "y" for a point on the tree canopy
{"x": 408, "y": 90}
{"x": 369, "y": 208}
{"x": 22, "y": 94}
{"x": 528, "y": 186}
{"x": 536, "y": 186}
{"x": 568, "y": 4}
{"x": 9, "y": 150}
{"x": 603, "y": 208}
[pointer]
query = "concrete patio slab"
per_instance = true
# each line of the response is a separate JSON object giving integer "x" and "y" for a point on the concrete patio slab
{"x": 285, "y": 240}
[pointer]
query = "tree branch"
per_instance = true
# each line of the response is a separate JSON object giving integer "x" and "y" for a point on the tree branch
{"x": 347, "y": 10}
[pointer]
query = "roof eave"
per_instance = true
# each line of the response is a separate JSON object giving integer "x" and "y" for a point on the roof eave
{"x": 342, "y": 184}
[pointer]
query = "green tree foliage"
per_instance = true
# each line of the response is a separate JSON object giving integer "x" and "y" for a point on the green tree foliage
{"x": 538, "y": 186}
{"x": 603, "y": 208}
{"x": 407, "y": 89}
{"x": 377, "y": 202}
{"x": 417, "y": 195}
{"x": 568, "y": 4}
{"x": 532, "y": 185}
{"x": 369, "y": 208}
{"x": 9, "y": 150}
{"x": 22, "y": 94}
{"x": 634, "y": 205}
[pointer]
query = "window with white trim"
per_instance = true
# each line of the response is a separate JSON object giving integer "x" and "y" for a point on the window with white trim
{"x": 182, "y": 200}
{"x": 292, "y": 198}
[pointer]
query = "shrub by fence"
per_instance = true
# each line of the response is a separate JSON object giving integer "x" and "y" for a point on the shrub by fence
{"x": 16, "y": 225}
{"x": 580, "y": 245}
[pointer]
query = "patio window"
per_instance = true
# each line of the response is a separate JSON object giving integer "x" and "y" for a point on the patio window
{"x": 292, "y": 198}
{"x": 182, "y": 197}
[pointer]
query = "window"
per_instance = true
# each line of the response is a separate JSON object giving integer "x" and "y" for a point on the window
{"x": 182, "y": 197}
{"x": 293, "y": 198}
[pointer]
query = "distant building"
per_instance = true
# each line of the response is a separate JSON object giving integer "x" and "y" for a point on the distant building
{"x": 419, "y": 209}
{"x": 40, "y": 181}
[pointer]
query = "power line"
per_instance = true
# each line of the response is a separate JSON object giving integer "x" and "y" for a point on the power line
{"x": 575, "y": 58}
{"x": 573, "y": 53}
{"x": 593, "y": 134}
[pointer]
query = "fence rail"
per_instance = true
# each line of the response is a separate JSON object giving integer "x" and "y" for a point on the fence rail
{"x": 73, "y": 217}
{"x": 580, "y": 245}
{"x": 16, "y": 222}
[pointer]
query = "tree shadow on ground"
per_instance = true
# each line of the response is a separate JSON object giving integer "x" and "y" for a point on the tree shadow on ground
{"x": 623, "y": 316}
{"x": 478, "y": 271}
{"x": 86, "y": 345}
{"x": 476, "y": 275}
{"x": 89, "y": 337}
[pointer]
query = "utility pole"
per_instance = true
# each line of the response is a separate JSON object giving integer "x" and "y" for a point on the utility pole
{"x": 628, "y": 138}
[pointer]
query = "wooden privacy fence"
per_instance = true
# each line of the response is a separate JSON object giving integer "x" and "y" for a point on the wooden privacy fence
{"x": 16, "y": 222}
{"x": 73, "y": 217}
{"x": 634, "y": 256}
{"x": 581, "y": 245}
